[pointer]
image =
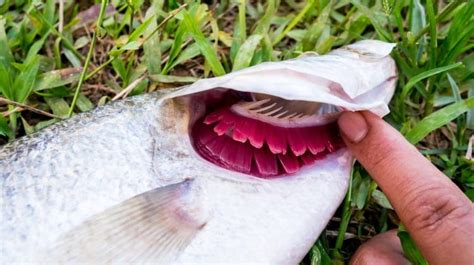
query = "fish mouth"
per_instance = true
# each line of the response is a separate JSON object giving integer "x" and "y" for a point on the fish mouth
{"x": 261, "y": 135}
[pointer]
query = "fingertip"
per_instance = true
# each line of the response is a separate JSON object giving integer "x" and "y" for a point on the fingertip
{"x": 353, "y": 126}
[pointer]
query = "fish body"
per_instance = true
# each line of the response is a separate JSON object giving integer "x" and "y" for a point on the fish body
{"x": 71, "y": 171}
{"x": 123, "y": 183}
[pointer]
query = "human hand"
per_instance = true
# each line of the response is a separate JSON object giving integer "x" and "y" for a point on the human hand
{"x": 438, "y": 216}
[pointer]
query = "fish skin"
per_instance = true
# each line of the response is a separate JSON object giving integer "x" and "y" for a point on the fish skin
{"x": 56, "y": 180}
{"x": 59, "y": 177}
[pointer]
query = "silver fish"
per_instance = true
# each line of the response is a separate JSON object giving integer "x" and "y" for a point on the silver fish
{"x": 131, "y": 183}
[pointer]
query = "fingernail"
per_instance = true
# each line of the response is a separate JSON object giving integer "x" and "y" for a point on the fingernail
{"x": 353, "y": 126}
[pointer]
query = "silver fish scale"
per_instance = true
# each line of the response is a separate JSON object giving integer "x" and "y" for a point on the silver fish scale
{"x": 56, "y": 161}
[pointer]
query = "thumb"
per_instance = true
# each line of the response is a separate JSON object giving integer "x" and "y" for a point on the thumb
{"x": 434, "y": 210}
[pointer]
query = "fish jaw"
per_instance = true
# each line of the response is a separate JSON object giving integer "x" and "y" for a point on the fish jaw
{"x": 268, "y": 221}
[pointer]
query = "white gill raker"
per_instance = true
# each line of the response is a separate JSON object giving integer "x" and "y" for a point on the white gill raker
{"x": 279, "y": 115}
{"x": 291, "y": 115}
{"x": 296, "y": 115}
{"x": 273, "y": 111}
{"x": 261, "y": 110}
{"x": 273, "y": 108}
{"x": 253, "y": 104}
{"x": 277, "y": 112}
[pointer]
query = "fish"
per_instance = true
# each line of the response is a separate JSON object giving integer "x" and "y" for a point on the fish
{"x": 245, "y": 168}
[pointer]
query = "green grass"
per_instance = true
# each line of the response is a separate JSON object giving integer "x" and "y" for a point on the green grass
{"x": 47, "y": 72}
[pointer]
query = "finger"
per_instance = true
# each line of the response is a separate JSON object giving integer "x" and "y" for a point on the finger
{"x": 383, "y": 249}
{"x": 434, "y": 210}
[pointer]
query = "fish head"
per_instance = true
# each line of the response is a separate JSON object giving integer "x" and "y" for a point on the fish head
{"x": 264, "y": 144}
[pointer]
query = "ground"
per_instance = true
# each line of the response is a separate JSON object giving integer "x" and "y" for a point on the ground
{"x": 61, "y": 57}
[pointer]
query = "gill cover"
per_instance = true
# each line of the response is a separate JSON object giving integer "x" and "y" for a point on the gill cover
{"x": 359, "y": 76}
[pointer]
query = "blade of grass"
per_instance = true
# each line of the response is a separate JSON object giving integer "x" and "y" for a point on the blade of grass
{"x": 240, "y": 30}
{"x": 433, "y": 33}
{"x": 99, "y": 21}
{"x": 438, "y": 119}
{"x": 84, "y": 104}
{"x": 58, "y": 106}
{"x": 418, "y": 17}
{"x": 4, "y": 129}
{"x": 319, "y": 255}
{"x": 470, "y": 113}
{"x": 414, "y": 80}
{"x": 140, "y": 29}
{"x": 242, "y": 21}
{"x": 346, "y": 217}
{"x": 151, "y": 48}
{"x": 381, "y": 199}
{"x": 57, "y": 78}
{"x": 204, "y": 45}
{"x": 187, "y": 54}
{"x": 25, "y": 81}
{"x": 454, "y": 88}
{"x": 175, "y": 48}
{"x": 417, "y": 22}
{"x": 294, "y": 21}
{"x": 173, "y": 79}
{"x": 5, "y": 54}
{"x": 215, "y": 31}
{"x": 410, "y": 250}
{"x": 246, "y": 52}
{"x": 6, "y": 82}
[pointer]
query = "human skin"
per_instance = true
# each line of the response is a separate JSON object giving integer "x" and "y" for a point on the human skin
{"x": 438, "y": 216}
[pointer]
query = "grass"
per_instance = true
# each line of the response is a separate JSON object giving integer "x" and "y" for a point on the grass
{"x": 57, "y": 59}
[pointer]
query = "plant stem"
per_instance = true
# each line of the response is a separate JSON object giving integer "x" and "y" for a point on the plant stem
{"x": 12, "y": 104}
{"x": 346, "y": 217}
{"x": 103, "y": 7}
